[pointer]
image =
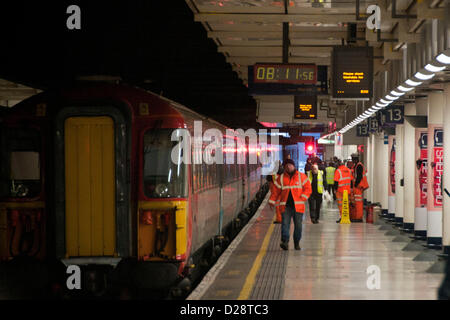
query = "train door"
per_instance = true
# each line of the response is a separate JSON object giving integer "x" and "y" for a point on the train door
{"x": 91, "y": 185}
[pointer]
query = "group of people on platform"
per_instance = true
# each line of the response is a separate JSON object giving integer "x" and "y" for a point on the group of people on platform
{"x": 290, "y": 189}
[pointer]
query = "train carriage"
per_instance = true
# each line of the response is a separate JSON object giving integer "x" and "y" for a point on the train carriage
{"x": 87, "y": 179}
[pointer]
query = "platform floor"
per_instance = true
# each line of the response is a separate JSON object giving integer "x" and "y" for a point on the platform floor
{"x": 332, "y": 264}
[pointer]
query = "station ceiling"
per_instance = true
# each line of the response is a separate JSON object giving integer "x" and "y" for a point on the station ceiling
{"x": 251, "y": 31}
{"x": 196, "y": 52}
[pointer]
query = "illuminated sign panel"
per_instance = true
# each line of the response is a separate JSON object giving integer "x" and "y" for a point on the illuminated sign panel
{"x": 285, "y": 73}
{"x": 352, "y": 72}
{"x": 283, "y": 88}
{"x": 305, "y": 107}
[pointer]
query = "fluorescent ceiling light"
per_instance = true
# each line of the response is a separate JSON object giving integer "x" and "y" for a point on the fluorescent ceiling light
{"x": 405, "y": 89}
{"x": 442, "y": 58}
{"x": 433, "y": 68}
{"x": 397, "y": 94}
{"x": 411, "y": 83}
{"x": 381, "y": 104}
{"x": 377, "y": 108}
{"x": 391, "y": 97}
{"x": 373, "y": 110}
{"x": 422, "y": 76}
{"x": 385, "y": 101}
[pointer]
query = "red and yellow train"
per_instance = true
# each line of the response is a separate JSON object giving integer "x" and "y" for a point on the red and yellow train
{"x": 87, "y": 179}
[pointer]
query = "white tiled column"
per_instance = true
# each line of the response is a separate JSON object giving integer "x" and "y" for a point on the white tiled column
{"x": 434, "y": 213}
{"x": 420, "y": 210}
{"x": 380, "y": 171}
{"x": 399, "y": 132}
{"x": 409, "y": 168}
{"x": 446, "y": 176}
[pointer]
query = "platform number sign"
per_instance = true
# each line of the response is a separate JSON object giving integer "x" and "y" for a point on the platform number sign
{"x": 373, "y": 124}
{"x": 393, "y": 115}
{"x": 362, "y": 130}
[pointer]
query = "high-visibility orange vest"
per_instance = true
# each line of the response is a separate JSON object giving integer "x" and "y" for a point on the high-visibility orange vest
{"x": 343, "y": 176}
{"x": 298, "y": 185}
{"x": 273, "y": 187}
{"x": 363, "y": 184}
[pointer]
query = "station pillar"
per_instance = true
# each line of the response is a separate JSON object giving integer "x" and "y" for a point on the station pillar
{"x": 409, "y": 168}
{"x": 369, "y": 164}
{"x": 380, "y": 171}
{"x": 391, "y": 177}
{"x": 421, "y": 172}
{"x": 446, "y": 175}
{"x": 435, "y": 166}
{"x": 399, "y": 133}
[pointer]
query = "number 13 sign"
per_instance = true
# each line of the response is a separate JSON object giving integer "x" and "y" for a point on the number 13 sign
{"x": 393, "y": 115}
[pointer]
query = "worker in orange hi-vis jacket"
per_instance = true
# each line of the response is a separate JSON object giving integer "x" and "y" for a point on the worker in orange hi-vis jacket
{"x": 292, "y": 189}
{"x": 359, "y": 185}
{"x": 342, "y": 181}
{"x": 272, "y": 181}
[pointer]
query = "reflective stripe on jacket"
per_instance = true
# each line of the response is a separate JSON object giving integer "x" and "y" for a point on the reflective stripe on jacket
{"x": 273, "y": 186}
{"x": 319, "y": 180}
{"x": 298, "y": 185}
{"x": 344, "y": 177}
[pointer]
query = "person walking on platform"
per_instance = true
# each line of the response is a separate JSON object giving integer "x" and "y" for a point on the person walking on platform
{"x": 315, "y": 177}
{"x": 308, "y": 165}
{"x": 359, "y": 185}
{"x": 292, "y": 189}
{"x": 342, "y": 181}
{"x": 329, "y": 173}
{"x": 274, "y": 178}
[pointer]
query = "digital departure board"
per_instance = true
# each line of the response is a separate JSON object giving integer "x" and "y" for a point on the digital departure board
{"x": 305, "y": 107}
{"x": 292, "y": 89}
{"x": 285, "y": 73}
{"x": 352, "y": 72}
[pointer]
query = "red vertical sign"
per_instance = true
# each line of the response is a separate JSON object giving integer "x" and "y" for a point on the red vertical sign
{"x": 438, "y": 159}
{"x": 422, "y": 165}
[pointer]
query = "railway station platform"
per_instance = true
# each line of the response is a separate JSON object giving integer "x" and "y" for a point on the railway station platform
{"x": 332, "y": 264}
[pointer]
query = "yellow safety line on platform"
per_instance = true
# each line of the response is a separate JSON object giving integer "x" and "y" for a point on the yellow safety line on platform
{"x": 250, "y": 280}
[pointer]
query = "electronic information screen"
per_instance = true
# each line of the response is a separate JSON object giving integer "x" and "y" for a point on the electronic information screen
{"x": 305, "y": 107}
{"x": 352, "y": 72}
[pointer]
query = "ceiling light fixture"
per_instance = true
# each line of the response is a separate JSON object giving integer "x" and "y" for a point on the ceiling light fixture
{"x": 391, "y": 97}
{"x": 411, "y": 83}
{"x": 405, "y": 89}
{"x": 422, "y": 76}
{"x": 432, "y": 68}
{"x": 382, "y": 105}
{"x": 397, "y": 94}
{"x": 443, "y": 58}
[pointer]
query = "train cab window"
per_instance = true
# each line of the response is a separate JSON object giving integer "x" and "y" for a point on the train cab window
{"x": 163, "y": 178}
{"x": 22, "y": 172}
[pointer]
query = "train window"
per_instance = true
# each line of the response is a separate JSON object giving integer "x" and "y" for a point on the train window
{"x": 163, "y": 178}
{"x": 22, "y": 173}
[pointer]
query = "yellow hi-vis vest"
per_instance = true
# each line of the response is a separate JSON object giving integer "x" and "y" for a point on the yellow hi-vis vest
{"x": 330, "y": 174}
{"x": 319, "y": 180}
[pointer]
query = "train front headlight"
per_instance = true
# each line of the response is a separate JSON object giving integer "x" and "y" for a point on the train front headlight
{"x": 162, "y": 190}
